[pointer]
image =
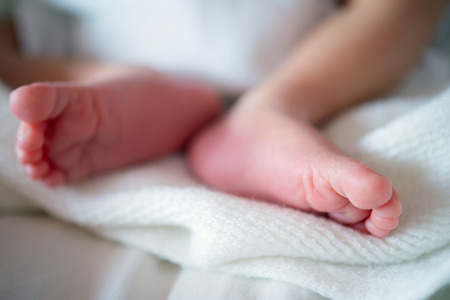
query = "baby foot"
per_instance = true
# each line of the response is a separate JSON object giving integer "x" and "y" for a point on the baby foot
{"x": 70, "y": 130}
{"x": 268, "y": 154}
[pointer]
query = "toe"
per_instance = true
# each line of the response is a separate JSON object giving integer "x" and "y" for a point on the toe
{"x": 37, "y": 171}
{"x": 30, "y": 137}
{"x": 384, "y": 223}
{"x": 27, "y": 157}
{"x": 364, "y": 188}
{"x": 33, "y": 103}
{"x": 387, "y": 216}
{"x": 392, "y": 209}
{"x": 349, "y": 214}
{"x": 375, "y": 230}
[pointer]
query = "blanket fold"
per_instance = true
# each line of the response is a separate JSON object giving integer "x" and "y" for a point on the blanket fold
{"x": 161, "y": 208}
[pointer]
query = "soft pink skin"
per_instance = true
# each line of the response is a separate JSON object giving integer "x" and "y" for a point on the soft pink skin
{"x": 266, "y": 153}
{"x": 71, "y": 130}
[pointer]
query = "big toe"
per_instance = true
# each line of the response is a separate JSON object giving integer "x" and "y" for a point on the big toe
{"x": 34, "y": 103}
{"x": 364, "y": 188}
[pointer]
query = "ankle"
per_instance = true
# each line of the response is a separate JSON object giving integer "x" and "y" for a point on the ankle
{"x": 264, "y": 99}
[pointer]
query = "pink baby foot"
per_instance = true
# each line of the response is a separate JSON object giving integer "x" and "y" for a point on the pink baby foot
{"x": 266, "y": 153}
{"x": 70, "y": 130}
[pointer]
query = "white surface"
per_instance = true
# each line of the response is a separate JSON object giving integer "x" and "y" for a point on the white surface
{"x": 232, "y": 44}
{"x": 161, "y": 208}
{"x": 44, "y": 259}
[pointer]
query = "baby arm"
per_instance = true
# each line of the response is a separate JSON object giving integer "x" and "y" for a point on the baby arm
{"x": 360, "y": 52}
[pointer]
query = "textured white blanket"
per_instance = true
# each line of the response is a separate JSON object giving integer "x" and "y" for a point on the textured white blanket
{"x": 160, "y": 207}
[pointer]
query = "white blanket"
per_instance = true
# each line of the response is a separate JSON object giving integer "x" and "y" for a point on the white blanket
{"x": 160, "y": 207}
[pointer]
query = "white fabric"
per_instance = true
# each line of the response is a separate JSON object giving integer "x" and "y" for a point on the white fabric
{"x": 43, "y": 259}
{"x": 161, "y": 208}
{"x": 232, "y": 44}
